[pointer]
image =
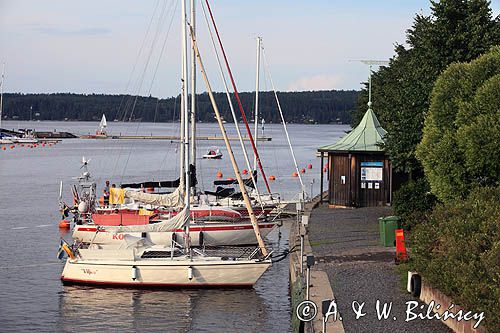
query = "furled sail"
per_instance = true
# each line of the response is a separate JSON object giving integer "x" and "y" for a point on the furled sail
{"x": 175, "y": 223}
{"x": 173, "y": 199}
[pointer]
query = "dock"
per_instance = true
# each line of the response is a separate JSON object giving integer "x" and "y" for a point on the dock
{"x": 168, "y": 137}
{"x": 351, "y": 265}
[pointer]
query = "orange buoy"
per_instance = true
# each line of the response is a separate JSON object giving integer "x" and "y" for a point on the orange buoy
{"x": 22, "y": 144}
{"x": 12, "y": 147}
{"x": 309, "y": 166}
{"x": 245, "y": 172}
{"x": 230, "y": 178}
{"x": 3, "y": 148}
{"x": 302, "y": 170}
{"x": 150, "y": 190}
{"x": 63, "y": 224}
{"x": 219, "y": 174}
{"x": 272, "y": 178}
{"x": 295, "y": 174}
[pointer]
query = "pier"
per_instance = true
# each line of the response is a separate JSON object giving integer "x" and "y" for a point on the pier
{"x": 350, "y": 265}
{"x": 168, "y": 137}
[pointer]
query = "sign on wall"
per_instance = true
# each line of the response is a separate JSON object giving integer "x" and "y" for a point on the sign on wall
{"x": 372, "y": 171}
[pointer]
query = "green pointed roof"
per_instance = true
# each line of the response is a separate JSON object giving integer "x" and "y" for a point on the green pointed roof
{"x": 367, "y": 136}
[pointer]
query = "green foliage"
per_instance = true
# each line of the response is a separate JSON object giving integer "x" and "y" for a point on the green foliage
{"x": 455, "y": 31}
{"x": 460, "y": 148}
{"x": 299, "y": 107}
{"x": 413, "y": 201}
{"x": 457, "y": 250}
{"x": 297, "y": 295}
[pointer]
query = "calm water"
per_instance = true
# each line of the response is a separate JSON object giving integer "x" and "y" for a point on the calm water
{"x": 31, "y": 295}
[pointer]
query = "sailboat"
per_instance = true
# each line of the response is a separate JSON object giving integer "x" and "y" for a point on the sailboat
{"x": 141, "y": 264}
{"x": 101, "y": 130}
{"x": 212, "y": 225}
{"x": 3, "y": 139}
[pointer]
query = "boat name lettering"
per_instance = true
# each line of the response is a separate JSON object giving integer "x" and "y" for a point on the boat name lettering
{"x": 89, "y": 271}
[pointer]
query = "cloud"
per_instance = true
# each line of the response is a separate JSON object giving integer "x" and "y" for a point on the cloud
{"x": 71, "y": 32}
{"x": 317, "y": 82}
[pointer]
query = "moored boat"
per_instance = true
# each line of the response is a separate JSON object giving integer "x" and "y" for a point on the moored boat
{"x": 201, "y": 233}
{"x": 161, "y": 267}
{"x": 213, "y": 153}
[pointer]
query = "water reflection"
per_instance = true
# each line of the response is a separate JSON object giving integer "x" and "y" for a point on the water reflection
{"x": 123, "y": 310}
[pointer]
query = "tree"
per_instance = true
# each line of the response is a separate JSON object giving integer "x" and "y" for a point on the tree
{"x": 460, "y": 149}
{"x": 457, "y": 30}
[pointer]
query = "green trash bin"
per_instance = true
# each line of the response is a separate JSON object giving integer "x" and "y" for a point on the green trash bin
{"x": 387, "y": 227}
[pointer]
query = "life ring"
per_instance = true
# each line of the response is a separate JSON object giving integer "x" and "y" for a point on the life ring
{"x": 415, "y": 285}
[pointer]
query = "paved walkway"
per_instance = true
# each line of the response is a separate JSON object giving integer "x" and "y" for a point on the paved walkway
{"x": 345, "y": 243}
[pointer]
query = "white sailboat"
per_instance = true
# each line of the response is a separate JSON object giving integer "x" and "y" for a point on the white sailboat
{"x": 3, "y": 139}
{"x": 145, "y": 265}
{"x": 101, "y": 130}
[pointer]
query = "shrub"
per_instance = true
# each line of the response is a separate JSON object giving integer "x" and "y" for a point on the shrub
{"x": 413, "y": 201}
{"x": 457, "y": 250}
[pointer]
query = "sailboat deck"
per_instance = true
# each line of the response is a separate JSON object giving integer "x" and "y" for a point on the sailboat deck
{"x": 224, "y": 252}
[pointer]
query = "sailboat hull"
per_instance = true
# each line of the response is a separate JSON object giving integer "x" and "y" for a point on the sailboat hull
{"x": 164, "y": 273}
{"x": 213, "y": 234}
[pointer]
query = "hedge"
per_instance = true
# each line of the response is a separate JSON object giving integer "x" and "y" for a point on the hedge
{"x": 457, "y": 250}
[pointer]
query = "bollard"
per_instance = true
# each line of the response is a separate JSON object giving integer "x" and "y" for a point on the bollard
{"x": 310, "y": 263}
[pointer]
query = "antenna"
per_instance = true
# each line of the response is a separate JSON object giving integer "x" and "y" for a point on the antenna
{"x": 371, "y": 63}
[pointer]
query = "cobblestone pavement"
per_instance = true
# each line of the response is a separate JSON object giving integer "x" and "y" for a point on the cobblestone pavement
{"x": 346, "y": 245}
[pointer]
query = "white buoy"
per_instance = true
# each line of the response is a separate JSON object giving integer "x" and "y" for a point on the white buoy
{"x": 190, "y": 273}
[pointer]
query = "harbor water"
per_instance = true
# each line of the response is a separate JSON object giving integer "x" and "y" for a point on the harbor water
{"x": 32, "y": 297}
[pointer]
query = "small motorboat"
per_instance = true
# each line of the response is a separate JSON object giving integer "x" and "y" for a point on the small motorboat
{"x": 213, "y": 153}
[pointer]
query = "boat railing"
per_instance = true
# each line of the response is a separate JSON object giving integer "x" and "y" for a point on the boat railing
{"x": 198, "y": 252}
{"x": 253, "y": 253}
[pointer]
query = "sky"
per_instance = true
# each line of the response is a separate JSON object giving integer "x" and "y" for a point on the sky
{"x": 127, "y": 46}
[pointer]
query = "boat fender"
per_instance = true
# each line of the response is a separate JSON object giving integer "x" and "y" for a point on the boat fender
{"x": 135, "y": 273}
{"x": 415, "y": 285}
{"x": 82, "y": 207}
{"x": 68, "y": 250}
{"x": 201, "y": 239}
{"x": 190, "y": 273}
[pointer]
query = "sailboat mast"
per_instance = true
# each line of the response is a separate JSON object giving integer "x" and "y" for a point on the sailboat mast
{"x": 193, "y": 91}
{"x": 184, "y": 101}
{"x": 243, "y": 190}
{"x": 185, "y": 112}
{"x": 257, "y": 101}
{"x": 266, "y": 64}
{"x": 1, "y": 94}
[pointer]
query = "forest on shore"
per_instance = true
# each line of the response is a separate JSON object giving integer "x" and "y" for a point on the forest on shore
{"x": 334, "y": 106}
